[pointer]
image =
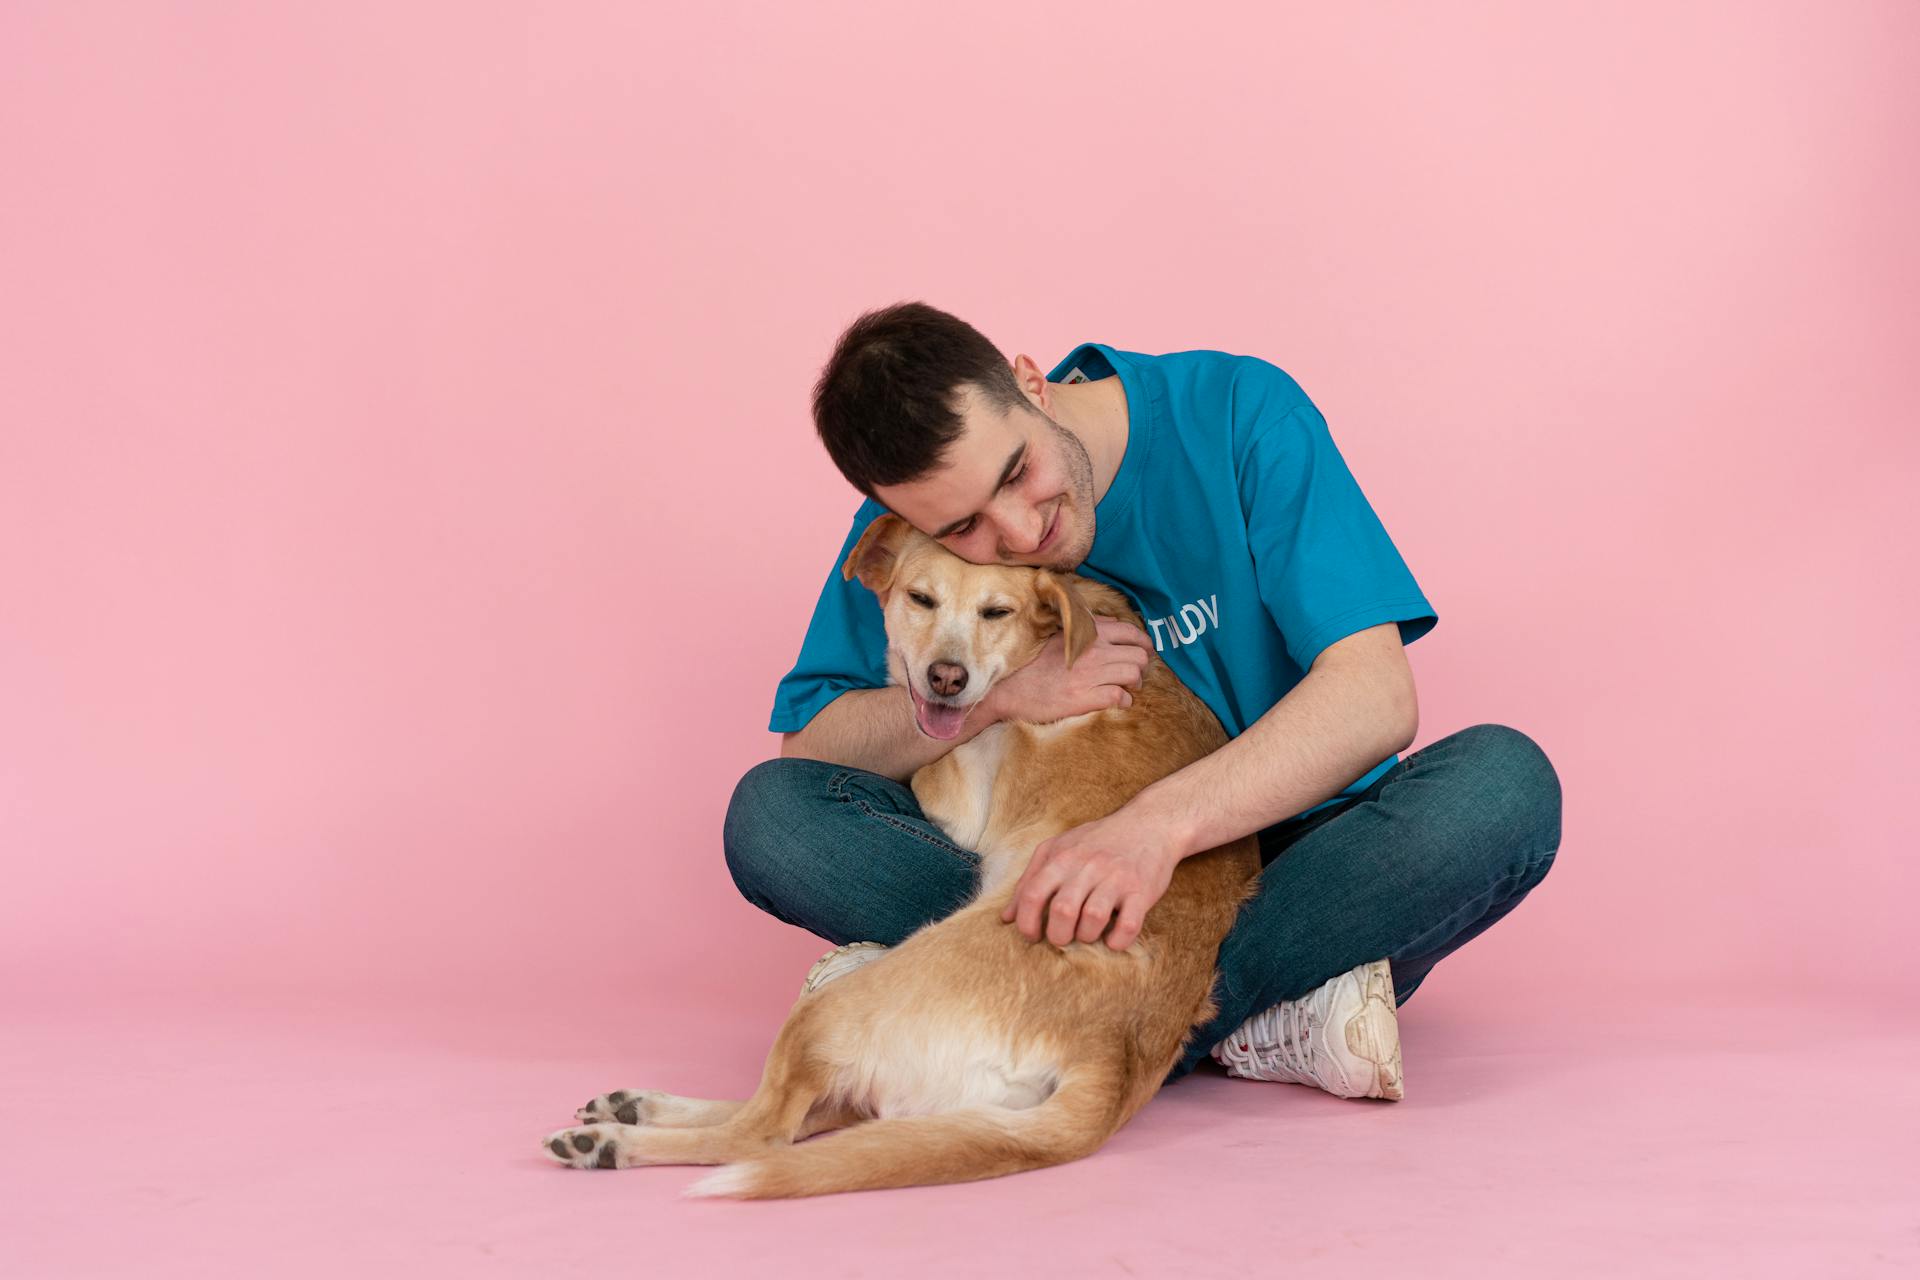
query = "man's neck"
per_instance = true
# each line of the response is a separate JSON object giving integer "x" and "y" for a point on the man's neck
{"x": 1097, "y": 413}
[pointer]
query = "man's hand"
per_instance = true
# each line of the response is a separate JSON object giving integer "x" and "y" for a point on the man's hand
{"x": 1123, "y": 861}
{"x": 1047, "y": 689}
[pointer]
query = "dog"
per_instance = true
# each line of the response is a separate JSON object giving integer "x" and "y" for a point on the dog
{"x": 967, "y": 1051}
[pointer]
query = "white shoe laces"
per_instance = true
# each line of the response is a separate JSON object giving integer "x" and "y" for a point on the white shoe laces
{"x": 1276, "y": 1041}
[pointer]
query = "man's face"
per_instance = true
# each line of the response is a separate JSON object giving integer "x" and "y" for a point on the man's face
{"x": 1036, "y": 511}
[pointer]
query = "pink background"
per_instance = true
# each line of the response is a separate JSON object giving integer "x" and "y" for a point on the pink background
{"x": 408, "y": 503}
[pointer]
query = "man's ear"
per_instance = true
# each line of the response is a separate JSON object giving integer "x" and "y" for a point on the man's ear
{"x": 876, "y": 556}
{"x": 1058, "y": 598}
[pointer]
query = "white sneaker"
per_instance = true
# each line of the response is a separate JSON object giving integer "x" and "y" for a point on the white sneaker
{"x": 1342, "y": 1037}
{"x": 840, "y": 961}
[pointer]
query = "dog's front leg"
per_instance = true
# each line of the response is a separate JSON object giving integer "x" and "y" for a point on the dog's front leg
{"x": 666, "y": 1110}
{"x": 956, "y": 791}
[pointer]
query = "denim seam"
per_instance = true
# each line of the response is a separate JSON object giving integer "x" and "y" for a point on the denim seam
{"x": 946, "y": 846}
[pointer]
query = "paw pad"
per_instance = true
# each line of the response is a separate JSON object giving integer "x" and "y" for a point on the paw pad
{"x": 590, "y": 1148}
{"x": 628, "y": 1106}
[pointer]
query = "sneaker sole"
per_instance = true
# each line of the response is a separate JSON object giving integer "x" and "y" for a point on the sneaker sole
{"x": 1373, "y": 1034}
{"x": 838, "y": 963}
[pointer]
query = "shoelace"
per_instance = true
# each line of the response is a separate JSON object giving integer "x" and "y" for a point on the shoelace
{"x": 1278, "y": 1040}
{"x": 1291, "y": 1044}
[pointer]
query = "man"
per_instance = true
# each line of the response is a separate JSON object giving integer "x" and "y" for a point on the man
{"x": 1207, "y": 488}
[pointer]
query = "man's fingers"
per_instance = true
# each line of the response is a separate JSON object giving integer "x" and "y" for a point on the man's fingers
{"x": 1114, "y": 631}
{"x": 1127, "y": 927}
{"x": 1031, "y": 901}
{"x": 1094, "y": 916}
{"x": 1064, "y": 920}
{"x": 1023, "y": 915}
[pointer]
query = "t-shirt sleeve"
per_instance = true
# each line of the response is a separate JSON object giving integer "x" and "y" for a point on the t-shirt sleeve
{"x": 1323, "y": 562}
{"x": 846, "y": 643}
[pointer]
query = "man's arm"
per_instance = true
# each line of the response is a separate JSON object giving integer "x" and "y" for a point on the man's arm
{"x": 1356, "y": 707}
{"x": 1352, "y": 710}
{"x": 873, "y": 729}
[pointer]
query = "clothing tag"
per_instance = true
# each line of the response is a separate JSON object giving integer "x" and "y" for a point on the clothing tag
{"x": 1074, "y": 375}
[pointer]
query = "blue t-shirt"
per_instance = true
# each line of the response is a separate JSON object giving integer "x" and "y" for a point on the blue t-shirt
{"x": 1233, "y": 525}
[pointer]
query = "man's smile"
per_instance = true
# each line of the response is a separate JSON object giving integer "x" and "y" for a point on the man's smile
{"x": 1053, "y": 527}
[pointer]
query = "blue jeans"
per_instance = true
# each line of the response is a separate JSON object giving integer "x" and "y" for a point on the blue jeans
{"x": 1437, "y": 849}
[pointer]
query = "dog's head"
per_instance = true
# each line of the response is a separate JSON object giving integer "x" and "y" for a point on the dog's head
{"x": 955, "y": 628}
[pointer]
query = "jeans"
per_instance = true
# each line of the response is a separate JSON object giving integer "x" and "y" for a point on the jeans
{"x": 1436, "y": 850}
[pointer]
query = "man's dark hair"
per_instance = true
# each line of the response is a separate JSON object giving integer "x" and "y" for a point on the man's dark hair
{"x": 884, "y": 405}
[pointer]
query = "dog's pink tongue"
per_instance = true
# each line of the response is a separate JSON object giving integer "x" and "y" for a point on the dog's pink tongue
{"x": 935, "y": 720}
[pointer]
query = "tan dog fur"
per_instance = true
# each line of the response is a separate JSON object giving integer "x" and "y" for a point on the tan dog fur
{"x": 967, "y": 1051}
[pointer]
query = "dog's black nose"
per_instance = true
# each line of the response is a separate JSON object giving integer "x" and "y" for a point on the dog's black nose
{"x": 946, "y": 678}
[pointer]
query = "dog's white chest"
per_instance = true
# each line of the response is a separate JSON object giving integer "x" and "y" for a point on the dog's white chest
{"x": 967, "y": 803}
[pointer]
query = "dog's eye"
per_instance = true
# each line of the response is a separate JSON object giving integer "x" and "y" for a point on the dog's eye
{"x": 924, "y": 601}
{"x": 995, "y": 613}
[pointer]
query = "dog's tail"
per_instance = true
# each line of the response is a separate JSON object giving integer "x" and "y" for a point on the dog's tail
{"x": 963, "y": 1145}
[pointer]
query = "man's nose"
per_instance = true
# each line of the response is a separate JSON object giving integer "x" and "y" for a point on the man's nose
{"x": 1030, "y": 541}
{"x": 946, "y": 678}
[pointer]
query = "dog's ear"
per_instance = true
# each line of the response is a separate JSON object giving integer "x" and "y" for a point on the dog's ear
{"x": 1058, "y": 598}
{"x": 876, "y": 556}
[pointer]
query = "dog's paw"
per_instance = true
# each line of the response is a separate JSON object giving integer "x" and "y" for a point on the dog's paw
{"x": 624, "y": 1106}
{"x": 595, "y": 1146}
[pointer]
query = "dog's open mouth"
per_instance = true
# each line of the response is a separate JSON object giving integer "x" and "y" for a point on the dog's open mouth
{"x": 937, "y": 719}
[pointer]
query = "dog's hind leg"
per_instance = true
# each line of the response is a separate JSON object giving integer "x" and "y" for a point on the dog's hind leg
{"x": 750, "y": 1132}
{"x": 954, "y": 1146}
{"x": 795, "y": 1098}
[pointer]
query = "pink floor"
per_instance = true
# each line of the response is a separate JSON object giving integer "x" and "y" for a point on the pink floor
{"x": 1651, "y": 1137}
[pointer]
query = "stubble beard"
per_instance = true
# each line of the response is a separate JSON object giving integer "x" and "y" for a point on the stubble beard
{"x": 1067, "y": 558}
